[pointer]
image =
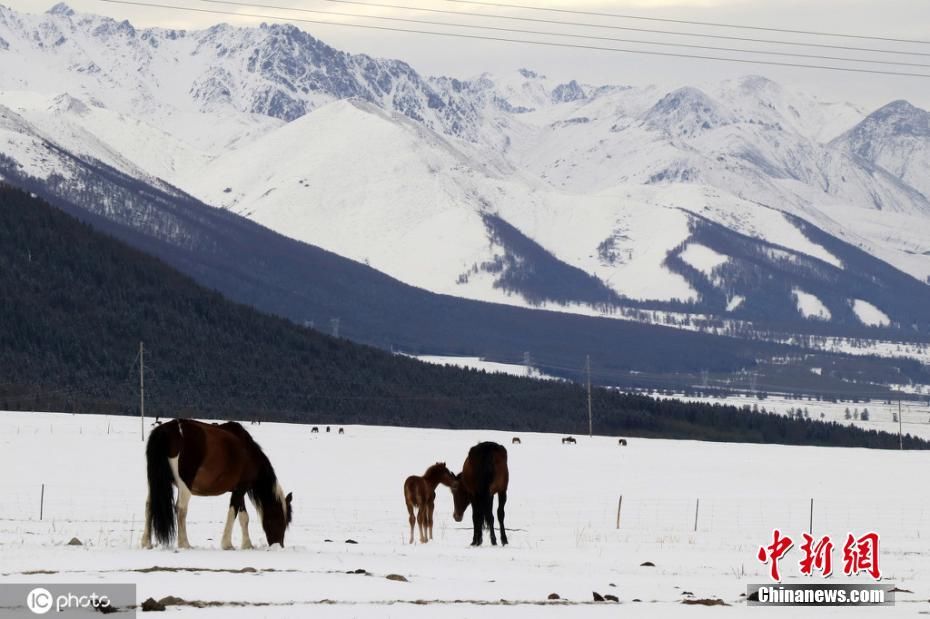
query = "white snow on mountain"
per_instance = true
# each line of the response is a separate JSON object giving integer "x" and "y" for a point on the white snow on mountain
{"x": 702, "y": 258}
{"x": 810, "y": 306}
{"x": 369, "y": 159}
{"x": 894, "y": 137}
{"x": 869, "y": 314}
{"x": 389, "y": 193}
{"x": 734, "y": 302}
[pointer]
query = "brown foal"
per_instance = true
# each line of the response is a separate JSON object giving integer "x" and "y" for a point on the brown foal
{"x": 420, "y": 493}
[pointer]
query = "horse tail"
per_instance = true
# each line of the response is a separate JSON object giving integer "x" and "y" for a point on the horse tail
{"x": 488, "y": 471}
{"x": 161, "y": 480}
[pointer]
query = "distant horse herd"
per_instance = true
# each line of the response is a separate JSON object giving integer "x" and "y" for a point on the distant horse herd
{"x": 201, "y": 459}
{"x": 315, "y": 430}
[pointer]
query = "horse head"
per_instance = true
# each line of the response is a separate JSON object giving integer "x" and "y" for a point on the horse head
{"x": 446, "y": 477}
{"x": 460, "y": 498}
{"x": 276, "y": 517}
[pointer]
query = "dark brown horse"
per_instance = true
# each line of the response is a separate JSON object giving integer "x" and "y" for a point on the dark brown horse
{"x": 420, "y": 492}
{"x": 483, "y": 475}
{"x": 209, "y": 460}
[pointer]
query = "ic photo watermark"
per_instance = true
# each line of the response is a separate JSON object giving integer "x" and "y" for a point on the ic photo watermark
{"x": 65, "y": 600}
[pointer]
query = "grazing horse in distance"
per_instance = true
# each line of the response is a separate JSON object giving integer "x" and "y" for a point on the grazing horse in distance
{"x": 515, "y": 440}
{"x": 209, "y": 460}
{"x": 420, "y": 492}
{"x": 314, "y": 430}
{"x": 569, "y": 440}
{"x": 622, "y": 442}
{"x": 483, "y": 475}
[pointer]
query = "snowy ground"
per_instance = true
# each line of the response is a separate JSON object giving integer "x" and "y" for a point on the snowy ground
{"x": 562, "y": 512}
{"x": 915, "y": 416}
{"x": 478, "y": 363}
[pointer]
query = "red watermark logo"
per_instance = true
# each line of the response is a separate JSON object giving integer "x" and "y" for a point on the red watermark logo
{"x": 860, "y": 554}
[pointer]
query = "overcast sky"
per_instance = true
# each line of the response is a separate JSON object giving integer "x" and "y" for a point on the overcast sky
{"x": 909, "y": 19}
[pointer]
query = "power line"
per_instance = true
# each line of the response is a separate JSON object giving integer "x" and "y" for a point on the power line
{"x": 568, "y": 35}
{"x": 627, "y": 28}
{"x": 692, "y": 23}
{"x": 525, "y": 42}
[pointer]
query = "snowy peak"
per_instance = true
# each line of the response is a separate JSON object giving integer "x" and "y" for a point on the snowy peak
{"x": 897, "y": 119}
{"x": 895, "y": 137}
{"x": 66, "y": 103}
{"x": 567, "y": 93}
{"x": 275, "y": 70}
{"x": 61, "y": 9}
{"x": 530, "y": 75}
{"x": 686, "y": 112}
{"x": 757, "y": 85}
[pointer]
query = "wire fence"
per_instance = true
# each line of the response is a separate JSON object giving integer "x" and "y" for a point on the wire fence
{"x": 738, "y": 516}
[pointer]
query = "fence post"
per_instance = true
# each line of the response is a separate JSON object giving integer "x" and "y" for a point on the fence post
{"x": 42, "y": 503}
{"x": 697, "y": 505}
{"x": 810, "y": 526}
{"x": 619, "y": 504}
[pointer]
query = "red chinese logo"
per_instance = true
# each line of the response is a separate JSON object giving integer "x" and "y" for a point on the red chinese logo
{"x": 817, "y": 556}
{"x": 861, "y": 555}
{"x": 775, "y": 551}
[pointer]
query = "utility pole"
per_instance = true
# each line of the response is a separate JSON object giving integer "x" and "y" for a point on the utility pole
{"x": 528, "y": 363}
{"x": 900, "y": 423}
{"x": 142, "y": 392}
{"x": 587, "y": 367}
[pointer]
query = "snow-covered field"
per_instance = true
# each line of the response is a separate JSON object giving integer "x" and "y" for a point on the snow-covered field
{"x": 562, "y": 511}
{"x": 479, "y": 363}
{"x": 880, "y": 415}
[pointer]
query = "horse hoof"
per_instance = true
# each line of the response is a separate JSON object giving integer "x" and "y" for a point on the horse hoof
{"x": 248, "y": 547}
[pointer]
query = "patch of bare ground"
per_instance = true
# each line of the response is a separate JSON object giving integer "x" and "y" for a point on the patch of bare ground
{"x": 705, "y": 602}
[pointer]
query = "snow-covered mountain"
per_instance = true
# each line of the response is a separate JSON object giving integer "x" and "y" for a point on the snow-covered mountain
{"x": 895, "y": 138}
{"x": 741, "y": 199}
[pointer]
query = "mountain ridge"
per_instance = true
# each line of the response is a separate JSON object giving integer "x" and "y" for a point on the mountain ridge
{"x": 606, "y": 180}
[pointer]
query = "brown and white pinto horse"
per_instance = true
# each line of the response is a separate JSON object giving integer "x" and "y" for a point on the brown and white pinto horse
{"x": 420, "y": 492}
{"x": 209, "y": 460}
{"x": 483, "y": 475}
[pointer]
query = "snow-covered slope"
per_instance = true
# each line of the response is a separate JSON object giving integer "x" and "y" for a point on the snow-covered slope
{"x": 897, "y": 138}
{"x": 514, "y": 188}
{"x": 389, "y": 192}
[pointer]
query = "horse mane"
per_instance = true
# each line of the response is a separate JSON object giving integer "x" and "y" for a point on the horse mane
{"x": 435, "y": 472}
{"x": 266, "y": 490}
